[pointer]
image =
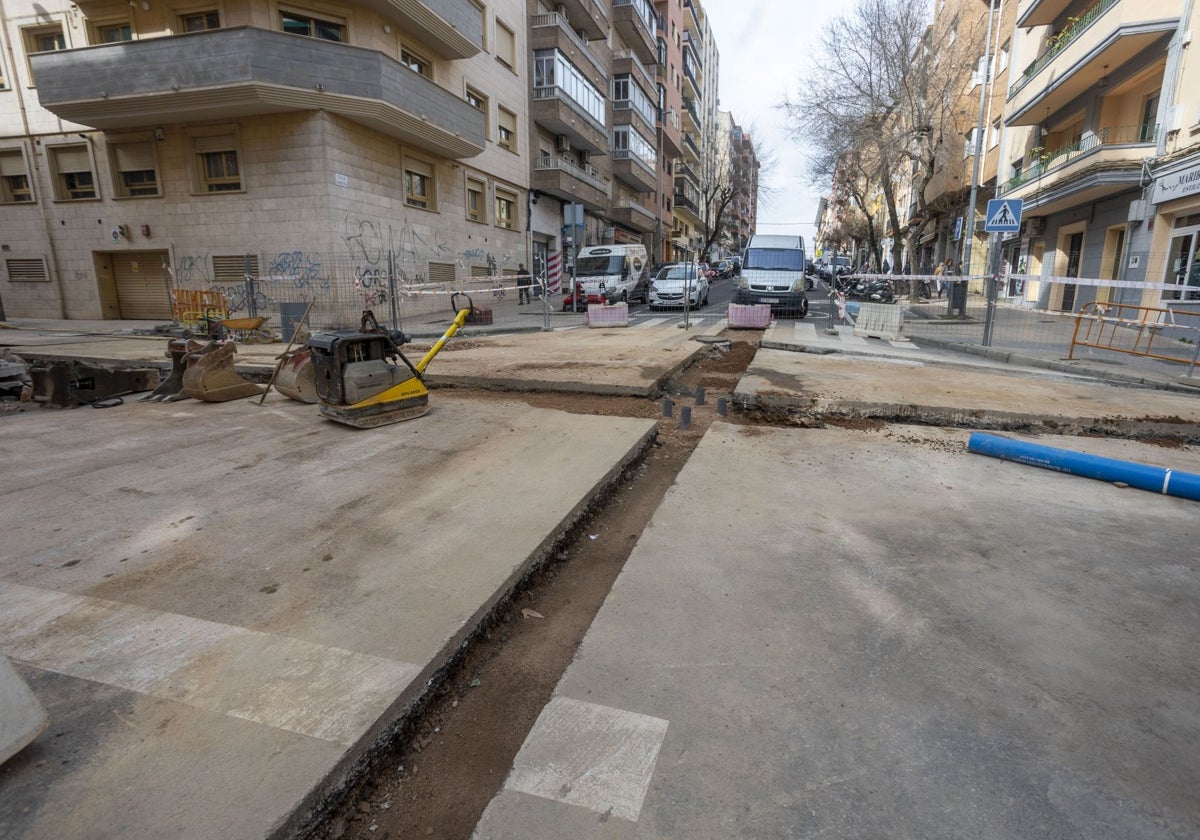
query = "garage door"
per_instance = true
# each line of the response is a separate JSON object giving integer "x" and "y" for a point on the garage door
{"x": 141, "y": 288}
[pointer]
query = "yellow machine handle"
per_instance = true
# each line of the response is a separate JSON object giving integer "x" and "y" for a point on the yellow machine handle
{"x": 459, "y": 320}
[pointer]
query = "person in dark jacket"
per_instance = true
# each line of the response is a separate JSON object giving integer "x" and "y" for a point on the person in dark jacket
{"x": 524, "y": 281}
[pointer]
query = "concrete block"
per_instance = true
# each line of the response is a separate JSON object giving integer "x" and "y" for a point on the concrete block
{"x": 22, "y": 717}
{"x": 600, "y": 315}
{"x": 879, "y": 320}
{"x": 752, "y": 317}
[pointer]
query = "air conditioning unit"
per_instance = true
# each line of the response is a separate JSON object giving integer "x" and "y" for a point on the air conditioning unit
{"x": 562, "y": 143}
{"x": 1033, "y": 227}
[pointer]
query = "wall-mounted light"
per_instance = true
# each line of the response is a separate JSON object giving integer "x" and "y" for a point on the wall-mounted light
{"x": 158, "y": 134}
{"x": 387, "y": 29}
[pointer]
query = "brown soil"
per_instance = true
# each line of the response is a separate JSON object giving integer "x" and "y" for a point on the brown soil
{"x": 436, "y": 781}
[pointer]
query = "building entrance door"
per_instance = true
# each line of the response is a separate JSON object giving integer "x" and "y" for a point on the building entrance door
{"x": 1074, "y": 257}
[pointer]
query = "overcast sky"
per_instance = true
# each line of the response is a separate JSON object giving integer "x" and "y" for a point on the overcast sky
{"x": 764, "y": 47}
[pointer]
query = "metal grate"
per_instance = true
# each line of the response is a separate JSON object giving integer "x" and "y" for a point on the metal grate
{"x": 27, "y": 271}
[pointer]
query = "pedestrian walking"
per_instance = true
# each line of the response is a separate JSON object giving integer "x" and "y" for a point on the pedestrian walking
{"x": 524, "y": 281}
{"x": 938, "y": 272}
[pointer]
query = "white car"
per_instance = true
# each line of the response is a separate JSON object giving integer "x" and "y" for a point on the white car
{"x": 678, "y": 283}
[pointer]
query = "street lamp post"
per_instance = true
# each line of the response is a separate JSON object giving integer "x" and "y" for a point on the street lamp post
{"x": 662, "y": 124}
{"x": 979, "y": 134}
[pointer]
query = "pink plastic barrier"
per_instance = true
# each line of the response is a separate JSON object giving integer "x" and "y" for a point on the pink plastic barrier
{"x": 753, "y": 317}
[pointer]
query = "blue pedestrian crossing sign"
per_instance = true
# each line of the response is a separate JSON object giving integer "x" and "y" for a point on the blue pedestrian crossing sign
{"x": 1003, "y": 215}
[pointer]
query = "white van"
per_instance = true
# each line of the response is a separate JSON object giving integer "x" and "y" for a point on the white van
{"x": 614, "y": 272}
{"x": 773, "y": 273}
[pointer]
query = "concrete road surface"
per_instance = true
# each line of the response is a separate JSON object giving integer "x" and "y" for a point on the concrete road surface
{"x": 220, "y": 605}
{"x": 835, "y": 633}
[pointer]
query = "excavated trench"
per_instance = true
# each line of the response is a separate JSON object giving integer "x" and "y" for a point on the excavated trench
{"x": 451, "y": 754}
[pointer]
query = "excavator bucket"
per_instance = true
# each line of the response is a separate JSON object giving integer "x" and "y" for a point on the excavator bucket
{"x": 296, "y": 378}
{"x": 210, "y": 375}
{"x": 171, "y": 388}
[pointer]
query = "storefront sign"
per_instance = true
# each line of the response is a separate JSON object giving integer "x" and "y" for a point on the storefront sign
{"x": 1177, "y": 185}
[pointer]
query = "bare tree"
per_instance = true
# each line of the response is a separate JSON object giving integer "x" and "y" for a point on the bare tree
{"x": 886, "y": 95}
{"x": 729, "y": 167}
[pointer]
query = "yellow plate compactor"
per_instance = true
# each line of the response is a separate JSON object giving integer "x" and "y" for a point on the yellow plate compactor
{"x": 357, "y": 382}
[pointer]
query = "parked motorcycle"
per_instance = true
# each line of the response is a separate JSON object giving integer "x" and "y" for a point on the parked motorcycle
{"x": 873, "y": 290}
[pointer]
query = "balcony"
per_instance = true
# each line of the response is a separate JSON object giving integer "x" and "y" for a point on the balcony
{"x": 689, "y": 145}
{"x": 553, "y": 109}
{"x": 554, "y": 32}
{"x": 1109, "y": 34}
{"x": 565, "y": 179}
{"x": 635, "y": 21}
{"x": 224, "y": 74}
{"x": 625, "y": 62}
{"x": 689, "y": 75}
{"x": 686, "y": 202}
{"x": 631, "y": 214}
{"x": 1041, "y": 12}
{"x": 588, "y": 16}
{"x": 624, "y": 112}
{"x": 691, "y": 7}
{"x": 1100, "y": 164}
{"x": 634, "y": 171}
{"x": 691, "y": 115}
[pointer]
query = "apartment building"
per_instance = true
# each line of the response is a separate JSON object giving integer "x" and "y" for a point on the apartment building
{"x": 694, "y": 171}
{"x": 319, "y": 145}
{"x": 599, "y": 123}
{"x": 1096, "y": 113}
{"x": 301, "y": 142}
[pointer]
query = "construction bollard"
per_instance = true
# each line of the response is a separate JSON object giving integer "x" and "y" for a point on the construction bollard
{"x": 699, "y": 396}
{"x": 668, "y": 406}
{"x": 685, "y": 417}
{"x": 722, "y": 406}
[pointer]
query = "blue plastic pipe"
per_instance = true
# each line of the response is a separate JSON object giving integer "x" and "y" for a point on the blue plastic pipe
{"x": 1142, "y": 476}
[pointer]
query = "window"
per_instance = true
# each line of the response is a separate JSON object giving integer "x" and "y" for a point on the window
{"x": 506, "y": 209}
{"x": 419, "y": 183}
{"x": 217, "y": 168}
{"x": 416, "y": 63}
{"x": 3, "y": 77}
{"x": 480, "y": 103}
{"x": 112, "y": 33}
{"x": 14, "y": 178}
{"x": 506, "y": 127}
{"x": 994, "y": 139}
{"x": 134, "y": 172}
{"x": 72, "y": 167}
{"x": 199, "y": 21}
{"x": 302, "y": 23}
{"x": 554, "y": 75}
{"x": 43, "y": 39}
{"x": 475, "y": 206}
{"x": 1003, "y": 57}
{"x": 506, "y": 46}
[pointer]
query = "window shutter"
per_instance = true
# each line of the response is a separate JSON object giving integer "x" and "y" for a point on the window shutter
{"x": 134, "y": 157}
{"x": 72, "y": 159}
{"x": 506, "y": 45}
{"x": 420, "y": 167}
{"x": 214, "y": 143}
{"x": 11, "y": 163}
{"x": 441, "y": 272}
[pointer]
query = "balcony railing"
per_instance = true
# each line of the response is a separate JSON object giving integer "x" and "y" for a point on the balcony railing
{"x": 690, "y": 142}
{"x": 1127, "y": 135}
{"x": 628, "y": 154}
{"x": 1059, "y": 42}
{"x": 691, "y": 7}
{"x": 689, "y": 105}
{"x": 585, "y": 173}
{"x": 560, "y": 93}
{"x": 554, "y": 19}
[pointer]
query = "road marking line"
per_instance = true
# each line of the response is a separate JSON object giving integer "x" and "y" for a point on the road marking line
{"x": 588, "y": 755}
{"x": 315, "y": 690}
{"x": 805, "y": 331}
